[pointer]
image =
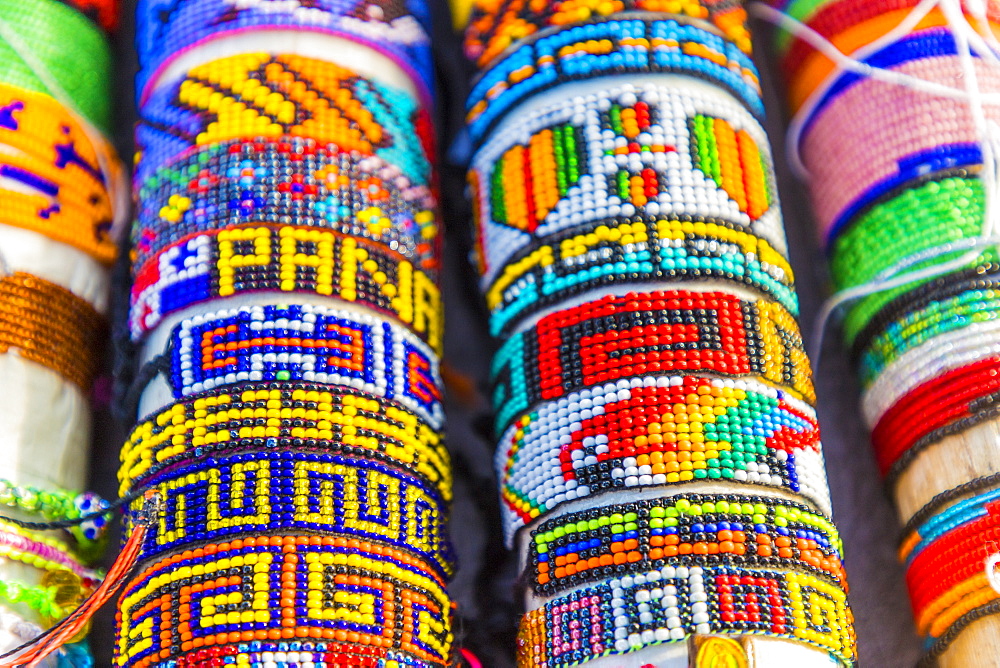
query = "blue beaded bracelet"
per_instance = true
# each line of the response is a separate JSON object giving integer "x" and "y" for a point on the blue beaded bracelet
{"x": 304, "y": 342}
{"x": 263, "y": 493}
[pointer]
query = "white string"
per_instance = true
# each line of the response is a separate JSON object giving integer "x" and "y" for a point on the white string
{"x": 116, "y": 183}
{"x": 967, "y": 41}
{"x": 991, "y": 571}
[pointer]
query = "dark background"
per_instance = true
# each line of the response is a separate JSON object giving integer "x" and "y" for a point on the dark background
{"x": 484, "y": 585}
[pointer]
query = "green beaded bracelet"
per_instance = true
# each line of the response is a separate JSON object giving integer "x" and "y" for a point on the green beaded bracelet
{"x": 945, "y": 207}
{"x": 57, "y": 38}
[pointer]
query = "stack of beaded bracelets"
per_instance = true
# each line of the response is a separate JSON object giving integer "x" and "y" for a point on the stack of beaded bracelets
{"x": 59, "y": 183}
{"x": 286, "y": 316}
{"x": 659, "y": 460}
{"x": 907, "y": 192}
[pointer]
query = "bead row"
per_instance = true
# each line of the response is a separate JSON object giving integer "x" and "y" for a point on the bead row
{"x": 683, "y": 530}
{"x": 288, "y": 259}
{"x": 285, "y": 181}
{"x": 661, "y": 431}
{"x": 648, "y": 334}
{"x": 265, "y": 654}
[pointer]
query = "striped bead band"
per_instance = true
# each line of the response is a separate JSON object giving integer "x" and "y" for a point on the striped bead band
{"x": 633, "y": 251}
{"x": 683, "y": 530}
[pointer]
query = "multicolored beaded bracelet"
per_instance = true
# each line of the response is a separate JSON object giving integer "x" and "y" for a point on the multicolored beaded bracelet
{"x": 285, "y": 181}
{"x": 610, "y": 151}
{"x": 263, "y": 654}
{"x": 290, "y": 587}
{"x": 398, "y": 29}
{"x": 648, "y": 333}
{"x": 920, "y": 325}
{"x": 264, "y": 493}
{"x": 634, "y": 45}
{"x": 57, "y": 505}
{"x": 878, "y": 157}
{"x": 305, "y": 342}
{"x": 667, "y": 605}
{"x": 59, "y": 38}
{"x": 51, "y": 173}
{"x": 923, "y": 216}
{"x": 657, "y": 431}
{"x": 688, "y": 530}
{"x": 275, "y": 96}
{"x": 498, "y": 25}
{"x": 924, "y": 296}
{"x": 288, "y": 259}
{"x": 945, "y": 569}
{"x": 278, "y": 416}
{"x": 49, "y": 325}
{"x": 636, "y": 250}
{"x": 42, "y": 552}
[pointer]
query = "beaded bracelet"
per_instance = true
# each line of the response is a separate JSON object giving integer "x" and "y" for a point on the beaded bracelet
{"x": 927, "y": 216}
{"x": 310, "y": 343}
{"x": 633, "y": 251}
{"x": 634, "y": 45}
{"x": 49, "y": 325}
{"x": 648, "y": 333}
{"x": 496, "y": 26}
{"x": 290, "y": 587}
{"x": 923, "y": 297}
{"x": 285, "y": 181}
{"x": 42, "y": 552}
{"x": 964, "y": 395}
{"x": 688, "y": 530}
{"x": 59, "y": 38}
{"x": 918, "y": 326}
{"x": 666, "y": 605}
{"x": 279, "y": 416}
{"x": 288, "y": 259}
{"x": 276, "y": 96}
{"x": 58, "y": 505}
{"x": 945, "y": 569}
{"x": 398, "y": 29}
{"x": 646, "y": 149}
{"x": 657, "y": 431}
{"x": 264, "y": 493}
{"x": 877, "y": 157}
{"x": 51, "y": 173}
{"x": 263, "y": 654}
